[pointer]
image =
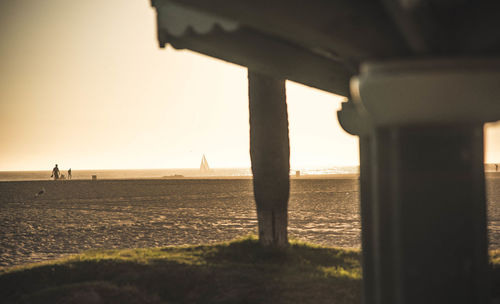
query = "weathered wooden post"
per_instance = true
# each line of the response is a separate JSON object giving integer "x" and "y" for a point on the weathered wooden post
{"x": 270, "y": 156}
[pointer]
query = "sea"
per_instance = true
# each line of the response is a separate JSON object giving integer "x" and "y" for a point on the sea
{"x": 163, "y": 173}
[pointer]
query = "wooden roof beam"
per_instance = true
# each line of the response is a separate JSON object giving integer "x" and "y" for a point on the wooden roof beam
{"x": 408, "y": 19}
{"x": 478, "y": 28}
{"x": 436, "y": 27}
{"x": 268, "y": 55}
{"x": 352, "y": 29}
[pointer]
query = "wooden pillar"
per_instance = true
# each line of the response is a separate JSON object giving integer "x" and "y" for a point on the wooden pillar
{"x": 270, "y": 156}
{"x": 423, "y": 206}
{"x": 429, "y": 214}
{"x": 366, "y": 210}
{"x": 423, "y": 213}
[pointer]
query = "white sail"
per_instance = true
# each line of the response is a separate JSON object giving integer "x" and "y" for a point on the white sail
{"x": 204, "y": 164}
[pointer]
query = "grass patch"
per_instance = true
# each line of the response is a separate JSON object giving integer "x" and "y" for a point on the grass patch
{"x": 495, "y": 274}
{"x": 240, "y": 271}
{"x": 236, "y": 272}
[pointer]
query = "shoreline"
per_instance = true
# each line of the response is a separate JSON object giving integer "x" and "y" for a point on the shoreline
{"x": 349, "y": 176}
{"x": 246, "y": 177}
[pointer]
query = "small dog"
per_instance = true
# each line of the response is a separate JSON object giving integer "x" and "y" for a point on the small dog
{"x": 41, "y": 192}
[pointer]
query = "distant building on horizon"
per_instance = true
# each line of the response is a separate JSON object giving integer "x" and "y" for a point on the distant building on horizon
{"x": 492, "y": 167}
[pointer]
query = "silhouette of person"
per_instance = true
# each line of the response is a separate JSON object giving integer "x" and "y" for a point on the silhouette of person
{"x": 55, "y": 173}
{"x": 496, "y": 167}
{"x": 69, "y": 173}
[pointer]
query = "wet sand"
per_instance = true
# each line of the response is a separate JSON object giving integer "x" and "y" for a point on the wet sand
{"x": 73, "y": 216}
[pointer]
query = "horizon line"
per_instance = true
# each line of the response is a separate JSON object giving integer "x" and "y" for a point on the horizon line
{"x": 178, "y": 168}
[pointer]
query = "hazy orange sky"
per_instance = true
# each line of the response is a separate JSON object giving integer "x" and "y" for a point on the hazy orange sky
{"x": 84, "y": 84}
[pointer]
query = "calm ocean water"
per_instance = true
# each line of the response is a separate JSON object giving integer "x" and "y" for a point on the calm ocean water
{"x": 156, "y": 173}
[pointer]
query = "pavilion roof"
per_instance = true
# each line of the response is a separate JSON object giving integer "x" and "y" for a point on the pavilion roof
{"x": 321, "y": 43}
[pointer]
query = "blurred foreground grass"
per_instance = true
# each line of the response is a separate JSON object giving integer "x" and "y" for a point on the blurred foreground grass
{"x": 237, "y": 272}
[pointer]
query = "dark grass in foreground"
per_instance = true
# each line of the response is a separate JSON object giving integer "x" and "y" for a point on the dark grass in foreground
{"x": 236, "y": 272}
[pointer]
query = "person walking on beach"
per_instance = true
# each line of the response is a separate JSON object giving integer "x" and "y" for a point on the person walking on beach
{"x": 69, "y": 173}
{"x": 55, "y": 173}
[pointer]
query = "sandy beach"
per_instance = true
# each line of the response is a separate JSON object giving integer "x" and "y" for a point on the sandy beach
{"x": 73, "y": 216}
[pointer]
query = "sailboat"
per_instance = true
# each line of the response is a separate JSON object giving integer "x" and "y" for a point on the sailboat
{"x": 204, "y": 165}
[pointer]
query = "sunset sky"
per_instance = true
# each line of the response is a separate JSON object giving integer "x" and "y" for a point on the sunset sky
{"x": 84, "y": 84}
